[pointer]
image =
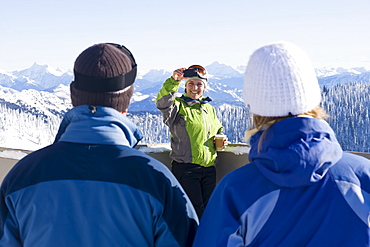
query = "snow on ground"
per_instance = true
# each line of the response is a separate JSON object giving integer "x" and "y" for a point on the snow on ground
{"x": 155, "y": 148}
{"x": 26, "y": 143}
{"x": 237, "y": 149}
{"x": 10, "y": 154}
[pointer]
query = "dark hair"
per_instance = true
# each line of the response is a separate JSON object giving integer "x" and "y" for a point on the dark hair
{"x": 119, "y": 100}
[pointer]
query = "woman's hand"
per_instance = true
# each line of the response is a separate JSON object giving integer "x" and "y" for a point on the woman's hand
{"x": 178, "y": 74}
{"x": 224, "y": 143}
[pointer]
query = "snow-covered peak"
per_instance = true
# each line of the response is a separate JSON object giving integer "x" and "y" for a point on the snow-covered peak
{"x": 241, "y": 68}
{"x": 39, "y": 77}
{"x": 58, "y": 71}
{"x": 37, "y": 69}
{"x": 155, "y": 75}
{"x": 325, "y": 71}
{"x": 218, "y": 70}
{"x": 6, "y": 73}
{"x": 45, "y": 77}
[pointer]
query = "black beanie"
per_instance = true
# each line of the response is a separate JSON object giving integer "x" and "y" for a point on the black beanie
{"x": 104, "y": 75}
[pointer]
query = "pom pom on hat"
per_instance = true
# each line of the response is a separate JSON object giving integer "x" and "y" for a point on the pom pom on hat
{"x": 280, "y": 80}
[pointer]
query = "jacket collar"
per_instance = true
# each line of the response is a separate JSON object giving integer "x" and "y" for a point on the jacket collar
{"x": 191, "y": 101}
{"x": 98, "y": 125}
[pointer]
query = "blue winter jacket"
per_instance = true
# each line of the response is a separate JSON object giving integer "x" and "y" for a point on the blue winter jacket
{"x": 91, "y": 188}
{"x": 298, "y": 190}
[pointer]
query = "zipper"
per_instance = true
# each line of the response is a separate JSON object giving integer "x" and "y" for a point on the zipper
{"x": 206, "y": 133}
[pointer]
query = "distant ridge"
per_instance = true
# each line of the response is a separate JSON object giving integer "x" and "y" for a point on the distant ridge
{"x": 225, "y": 84}
{"x": 33, "y": 102}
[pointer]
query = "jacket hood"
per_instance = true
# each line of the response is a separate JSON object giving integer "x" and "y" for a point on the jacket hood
{"x": 296, "y": 151}
{"x": 98, "y": 125}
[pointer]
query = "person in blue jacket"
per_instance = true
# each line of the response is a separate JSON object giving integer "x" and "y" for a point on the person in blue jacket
{"x": 300, "y": 188}
{"x": 91, "y": 187}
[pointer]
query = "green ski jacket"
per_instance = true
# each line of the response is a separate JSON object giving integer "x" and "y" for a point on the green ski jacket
{"x": 192, "y": 123}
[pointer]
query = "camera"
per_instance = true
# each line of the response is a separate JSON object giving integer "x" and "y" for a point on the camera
{"x": 190, "y": 72}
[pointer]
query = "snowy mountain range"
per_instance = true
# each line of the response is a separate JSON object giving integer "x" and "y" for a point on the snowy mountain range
{"x": 33, "y": 102}
{"x": 43, "y": 88}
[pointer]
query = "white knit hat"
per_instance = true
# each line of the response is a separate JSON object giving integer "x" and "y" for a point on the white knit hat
{"x": 280, "y": 80}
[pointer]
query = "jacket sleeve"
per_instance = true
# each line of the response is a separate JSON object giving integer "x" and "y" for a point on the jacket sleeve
{"x": 165, "y": 101}
{"x": 174, "y": 218}
{"x": 179, "y": 231}
{"x": 9, "y": 232}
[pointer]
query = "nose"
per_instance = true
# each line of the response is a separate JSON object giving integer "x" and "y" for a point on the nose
{"x": 195, "y": 86}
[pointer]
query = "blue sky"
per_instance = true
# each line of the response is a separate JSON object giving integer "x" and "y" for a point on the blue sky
{"x": 168, "y": 34}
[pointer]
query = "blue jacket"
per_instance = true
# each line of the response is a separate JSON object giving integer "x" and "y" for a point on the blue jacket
{"x": 91, "y": 188}
{"x": 299, "y": 190}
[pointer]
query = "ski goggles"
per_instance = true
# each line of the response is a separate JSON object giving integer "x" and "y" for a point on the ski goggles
{"x": 196, "y": 71}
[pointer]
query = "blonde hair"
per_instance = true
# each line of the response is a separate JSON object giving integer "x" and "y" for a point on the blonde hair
{"x": 260, "y": 122}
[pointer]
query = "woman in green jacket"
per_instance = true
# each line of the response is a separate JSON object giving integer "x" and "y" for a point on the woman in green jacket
{"x": 193, "y": 125}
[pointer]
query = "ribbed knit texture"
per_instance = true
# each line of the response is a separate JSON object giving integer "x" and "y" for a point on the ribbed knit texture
{"x": 280, "y": 80}
{"x": 101, "y": 61}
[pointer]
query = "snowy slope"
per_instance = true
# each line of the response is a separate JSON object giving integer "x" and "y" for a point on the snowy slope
{"x": 33, "y": 102}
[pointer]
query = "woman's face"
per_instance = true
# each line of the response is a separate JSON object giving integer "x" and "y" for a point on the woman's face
{"x": 195, "y": 88}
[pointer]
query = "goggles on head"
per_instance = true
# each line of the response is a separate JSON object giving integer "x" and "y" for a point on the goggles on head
{"x": 91, "y": 84}
{"x": 196, "y": 71}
